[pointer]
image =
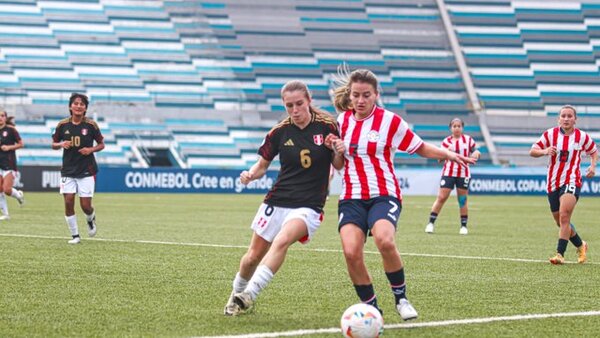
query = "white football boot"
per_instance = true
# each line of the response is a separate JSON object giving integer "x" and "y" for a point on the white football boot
{"x": 406, "y": 310}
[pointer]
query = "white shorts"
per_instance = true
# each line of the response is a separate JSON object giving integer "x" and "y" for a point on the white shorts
{"x": 3, "y": 173}
{"x": 83, "y": 186}
{"x": 269, "y": 220}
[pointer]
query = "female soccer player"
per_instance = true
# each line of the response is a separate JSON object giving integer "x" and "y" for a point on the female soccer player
{"x": 370, "y": 202}
{"x": 293, "y": 209}
{"x": 10, "y": 140}
{"x": 455, "y": 175}
{"x": 76, "y": 136}
{"x": 564, "y": 145}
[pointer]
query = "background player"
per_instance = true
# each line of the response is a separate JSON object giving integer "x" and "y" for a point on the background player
{"x": 455, "y": 175}
{"x": 76, "y": 136}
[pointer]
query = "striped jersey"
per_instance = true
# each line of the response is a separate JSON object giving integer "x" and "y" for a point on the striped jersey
{"x": 370, "y": 147}
{"x": 465, "y": 146}
{"x": 563, "y": 168}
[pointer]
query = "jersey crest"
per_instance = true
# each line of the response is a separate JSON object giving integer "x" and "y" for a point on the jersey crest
{"x": 318, "y": 139}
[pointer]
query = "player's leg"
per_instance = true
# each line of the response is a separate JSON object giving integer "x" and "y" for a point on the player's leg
{"x": 461, "y": 195}
{"x": 3, "y": 204}
{"x": 299, "y": 225}
{"x": 68, "y": 188}
{"x": 86, "y": 188}
{"x": 265, "y": 229}
{"x": 384, "y": 215}
{"x": 446, "y": 186}
{"x": 567, "y": 201}
{"x": 9, "y": 190}
{"x": 353, "y": 228}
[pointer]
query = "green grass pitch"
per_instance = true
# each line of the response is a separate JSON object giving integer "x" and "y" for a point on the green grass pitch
{"x": 162, "y": 265}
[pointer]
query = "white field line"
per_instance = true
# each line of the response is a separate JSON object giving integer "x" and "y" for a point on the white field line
{"x": 417, "y": 325}
{"x": 504, "y": 259}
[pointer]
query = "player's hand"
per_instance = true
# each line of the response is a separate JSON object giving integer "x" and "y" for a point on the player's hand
{"x": 85, "y": 151}
{"x": 66, "y": 144}
{"x": 590, "y": 172}
{"x": 460, "y": 159}
{"x": 329, "y": 139}
{"x": 4, "y": 148}
{"x": 245, "y": 177}
{"x": 551, "y": 151}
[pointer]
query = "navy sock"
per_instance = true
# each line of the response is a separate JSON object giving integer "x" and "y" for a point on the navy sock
{"x": 463, "y": 220}
{"x": 397, "y": 284}
{"x": 432, "y": 217}
{"x": 576, "y": 240}
{"x": 562, "y": 246}
{"x": 366, "y": 293}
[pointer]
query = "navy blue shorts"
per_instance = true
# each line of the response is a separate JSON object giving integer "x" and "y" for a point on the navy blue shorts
{"x": 450, "y": 182}
{"x": 365, "y": 213}
{"x": 554, "y": 197}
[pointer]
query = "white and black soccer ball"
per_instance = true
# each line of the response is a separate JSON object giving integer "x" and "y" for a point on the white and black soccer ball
{"x": 362, "y": 321}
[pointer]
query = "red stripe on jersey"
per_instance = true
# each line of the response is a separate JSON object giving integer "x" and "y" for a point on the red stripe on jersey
{"x": 394, "y": 124}
{"x": 344, "y": 130}
{"x": 359, "y": 165}
{"x": 372, "y": 152}
{"x": 406, "y": 140}
{"x": 573, "y": 159}
{"x": 457, "y": 150}
{"x": 561, "y": 166}
{"x": 345, "y": 124}
{"x": 553, "y": 158}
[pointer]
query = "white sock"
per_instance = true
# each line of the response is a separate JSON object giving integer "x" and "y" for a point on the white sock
{"x": 15, "y": 193}
{"x": 259, "y": 281}
{"x": 239, "y": 283}
{"x": 72, "y": 223}
{"x": 91, "y": 216}
{"x": 3, "y": 204}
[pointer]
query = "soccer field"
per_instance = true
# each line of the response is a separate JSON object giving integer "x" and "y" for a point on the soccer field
{"x": 162, "y": 265}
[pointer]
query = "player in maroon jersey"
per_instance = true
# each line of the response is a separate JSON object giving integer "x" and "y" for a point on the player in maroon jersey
{"x": 564, "y": 146}
{"x": 370, "y": 202}
{"x": 10, "y": 141}
{"x": 455, "y": 175}
{"x": 76, "y": 136}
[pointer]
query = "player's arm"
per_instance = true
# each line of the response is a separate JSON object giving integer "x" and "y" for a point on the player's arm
{"x": 336, "y": 144}
{"x": 591, "y": 170}
{"x": 257, "y": 171}
{"x": 15, "y": 146}
{"x": 88, "y": 150}
{"x": 430, "y": 151}
{"x": 536, "y": 151}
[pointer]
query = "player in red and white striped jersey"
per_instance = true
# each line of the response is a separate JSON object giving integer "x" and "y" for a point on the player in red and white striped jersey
{"x": 455, "y": 175}
{"x": 370, "y": 202}
{"x": 564, "y": 146}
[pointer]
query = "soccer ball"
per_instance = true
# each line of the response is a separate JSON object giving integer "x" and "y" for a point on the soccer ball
{"x": 362, "y": 321}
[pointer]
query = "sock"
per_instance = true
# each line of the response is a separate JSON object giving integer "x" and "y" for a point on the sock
{"x": 14, "y": 193}
{"x": 239, "y": 283}
{"x": 432, "y": 217}
{"x": 3, "y": 204}
{"x": 366, "y": 293}
{"x": 91, "y": 216}
{"x": 463, "y": 220}
{"x": 72, "y": 223}
{"x": 562, "y": 246}
{"x": 259, "y": 281}
{"x": 397, "y": 284}
{"x": 576, "y": 240}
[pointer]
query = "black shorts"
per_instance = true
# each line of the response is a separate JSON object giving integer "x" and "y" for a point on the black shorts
{"x": 554, "y": 197}
{"x": 365, "y": 213}
{"x": 450, "y": 182}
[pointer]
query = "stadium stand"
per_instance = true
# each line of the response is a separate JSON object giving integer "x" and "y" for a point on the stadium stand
{"x": 148, "y": 64}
